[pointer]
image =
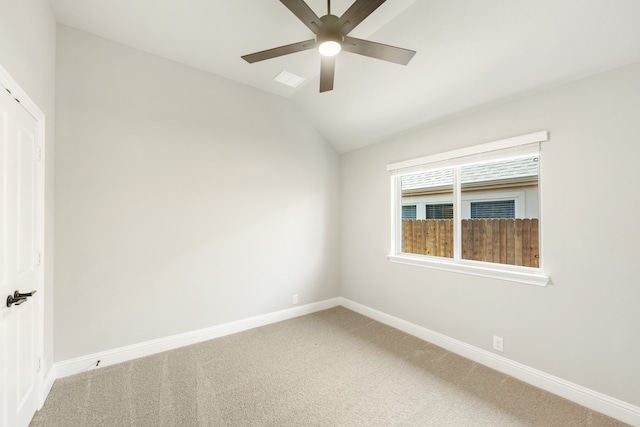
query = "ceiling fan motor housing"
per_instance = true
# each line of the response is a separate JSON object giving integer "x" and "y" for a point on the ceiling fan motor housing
{"x": 330, "y": 30}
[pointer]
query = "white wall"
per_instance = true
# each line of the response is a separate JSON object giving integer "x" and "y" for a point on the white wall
{"x": 583, "y": 327}
{"x": 27, "y": 52}
{"x": 184, "y": 200}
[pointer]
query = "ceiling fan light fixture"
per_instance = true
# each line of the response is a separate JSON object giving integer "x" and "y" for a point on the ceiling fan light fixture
{"x": 329, "y": 37}
{"x": 329, "y": 48}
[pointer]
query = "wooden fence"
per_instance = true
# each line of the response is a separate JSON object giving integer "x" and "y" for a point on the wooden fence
{"x": 504, "y": 241}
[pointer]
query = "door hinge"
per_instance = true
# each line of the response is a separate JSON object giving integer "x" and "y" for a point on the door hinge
{"x": 38, "y": 258}
{"x": 39, "y": 364}
{"x": 38, "y": 153}
{"x": 16, "y": 99}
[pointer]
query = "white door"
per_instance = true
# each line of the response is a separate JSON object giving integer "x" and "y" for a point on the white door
{"x": 18, "y": 262}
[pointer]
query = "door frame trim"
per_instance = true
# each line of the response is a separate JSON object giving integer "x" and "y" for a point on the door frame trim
{"x": 43, "y": 382}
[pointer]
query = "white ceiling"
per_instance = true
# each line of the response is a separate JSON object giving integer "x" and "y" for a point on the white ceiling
{"x": 469, "y": 52}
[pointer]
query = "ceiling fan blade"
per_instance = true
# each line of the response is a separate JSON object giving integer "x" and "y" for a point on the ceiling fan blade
{"x": 358, "y": 11}
{"x": 304, "y": 13}
{"x": 327, "y": 71}
{"x": 378, "y": 50}
{"x": 279, "y": 51}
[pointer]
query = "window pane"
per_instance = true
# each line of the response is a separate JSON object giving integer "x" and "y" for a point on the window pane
{"x": 496, "y": 229}
{"x": 409, "y": 212}
{"x": 441, "y": 211}
{"x": 430, "y": 231}
{"x": 496, "y": 209}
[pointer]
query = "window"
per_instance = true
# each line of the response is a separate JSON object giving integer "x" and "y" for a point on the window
{"x": 442, "y": 211}
{"x": 409, "y": 212}
{"x": 474, "y": 210}
{"x": 496, "y": 209}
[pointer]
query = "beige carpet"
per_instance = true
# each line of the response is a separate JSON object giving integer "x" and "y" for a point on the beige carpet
{"x": 331, "y": 368}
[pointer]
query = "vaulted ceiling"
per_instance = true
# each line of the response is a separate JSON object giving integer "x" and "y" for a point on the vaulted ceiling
{"x": 469, "y": 52}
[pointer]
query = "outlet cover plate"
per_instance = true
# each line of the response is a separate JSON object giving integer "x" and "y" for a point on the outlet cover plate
{"x": 498, "y": 344}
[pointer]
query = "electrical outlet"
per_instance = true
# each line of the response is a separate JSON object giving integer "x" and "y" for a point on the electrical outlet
{"x": 295, "y": 299}
{"x": 498, "y": 344}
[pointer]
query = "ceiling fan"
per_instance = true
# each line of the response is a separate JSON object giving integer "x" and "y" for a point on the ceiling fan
{"x": 331, "y": 37}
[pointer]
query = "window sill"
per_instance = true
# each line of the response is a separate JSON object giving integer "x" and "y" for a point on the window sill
{"x": 525, "y": 275}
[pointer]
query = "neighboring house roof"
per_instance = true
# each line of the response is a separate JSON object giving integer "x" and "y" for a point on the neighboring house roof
{"x": 504, "y": 171}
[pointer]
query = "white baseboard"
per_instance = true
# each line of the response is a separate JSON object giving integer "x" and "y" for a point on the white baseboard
{"x": 45, "y": 386}
{"x": 591, "y": 399}
{"x": 147, "y": 348}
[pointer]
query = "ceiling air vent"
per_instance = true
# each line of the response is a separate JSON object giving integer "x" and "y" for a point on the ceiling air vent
{"x": 289, "y": 79}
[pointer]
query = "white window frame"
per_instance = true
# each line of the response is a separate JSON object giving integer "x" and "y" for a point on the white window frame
{"x": 519, "y": 146}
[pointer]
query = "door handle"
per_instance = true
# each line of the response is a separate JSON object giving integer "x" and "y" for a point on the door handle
{"x": 17, "y": 294}
{"x": 17, "y": 298}
{"x": 11, "y": 300}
